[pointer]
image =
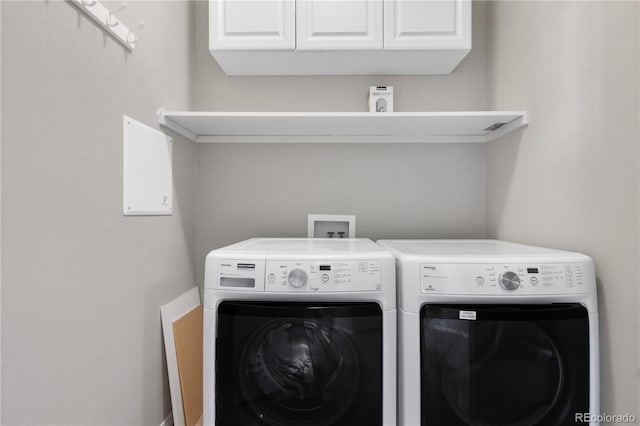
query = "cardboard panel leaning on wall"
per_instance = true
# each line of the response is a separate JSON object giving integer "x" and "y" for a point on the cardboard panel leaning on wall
{"x": 189, "y": 334}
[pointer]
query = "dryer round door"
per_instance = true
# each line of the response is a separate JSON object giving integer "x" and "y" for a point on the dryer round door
{"x": 506, "y": 359}
{"x": 504, "y": 365}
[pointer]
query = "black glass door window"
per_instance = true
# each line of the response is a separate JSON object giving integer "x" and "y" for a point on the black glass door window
{"x": 298, "y": 364}
{"x": 516, "y": 365}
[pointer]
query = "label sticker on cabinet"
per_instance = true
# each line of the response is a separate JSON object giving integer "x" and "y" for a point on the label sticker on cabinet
{"x": 467, "y": 315}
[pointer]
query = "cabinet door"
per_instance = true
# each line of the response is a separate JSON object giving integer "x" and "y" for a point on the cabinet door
{"x": 252, "y": 24}
{"x": 427, "y": 24}
{"x": 339, "y": 25}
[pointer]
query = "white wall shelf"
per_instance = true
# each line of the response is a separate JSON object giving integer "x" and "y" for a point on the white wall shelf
{"x": 301, "y": 127}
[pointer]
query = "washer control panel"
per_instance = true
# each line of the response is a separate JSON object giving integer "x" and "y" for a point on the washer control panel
{"x": 322, "y": 276}
{"x": 502, "y": 278}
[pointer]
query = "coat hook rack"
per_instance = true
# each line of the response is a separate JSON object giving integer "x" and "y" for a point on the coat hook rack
{"x": 131, "y": 37}
{"x": 111, "y": 21}
{"x": 107, "y": 20}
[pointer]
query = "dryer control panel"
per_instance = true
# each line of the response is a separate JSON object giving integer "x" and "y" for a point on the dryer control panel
{"x": 322, "y": 276}
{"x": 560, "y": 278}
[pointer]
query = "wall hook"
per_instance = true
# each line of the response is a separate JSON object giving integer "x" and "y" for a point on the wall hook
{"x": 131, "y": 37}
{"x": 107, "y": 21}
{"x": 110, "y": 19}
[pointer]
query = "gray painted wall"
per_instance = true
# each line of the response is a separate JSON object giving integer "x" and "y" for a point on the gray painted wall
{"x": 81, "y": 284}
{"x": 395, "y": 191}
{"x": 402, "y": 190}
{"x": 570, "y": 180}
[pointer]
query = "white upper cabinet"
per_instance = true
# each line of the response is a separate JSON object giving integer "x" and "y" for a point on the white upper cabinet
{"x": 339, "y": 37}
{"x": 427, "y": 24}
{"x": 339, "y": 25}
{"x": 252, "y": 24}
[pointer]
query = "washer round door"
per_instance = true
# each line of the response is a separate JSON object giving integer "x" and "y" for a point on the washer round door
{"x": 508, "y": 366}
{"x": 303, "y": 366}
{"x": 298, "y": 364}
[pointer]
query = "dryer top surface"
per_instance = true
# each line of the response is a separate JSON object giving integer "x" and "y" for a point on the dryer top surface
{"x": 469, "y": 250}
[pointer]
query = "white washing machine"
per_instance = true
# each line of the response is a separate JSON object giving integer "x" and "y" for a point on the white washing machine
{"x": 300, "y": 332}
{"x": 494, "y": 333}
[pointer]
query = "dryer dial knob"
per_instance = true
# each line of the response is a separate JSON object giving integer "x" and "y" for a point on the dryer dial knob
{"x": 509, "y": 280}
{"x": 297, "y": 278}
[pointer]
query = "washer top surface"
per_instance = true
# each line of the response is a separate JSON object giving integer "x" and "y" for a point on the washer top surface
{"x": 327, "y": 268}
{"x": 306, "y": 245}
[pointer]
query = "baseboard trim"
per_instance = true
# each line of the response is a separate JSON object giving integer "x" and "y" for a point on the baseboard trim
{"x": 168, "y": 421}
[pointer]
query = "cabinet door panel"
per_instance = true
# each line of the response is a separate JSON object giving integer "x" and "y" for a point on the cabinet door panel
{"x": 342, "y": 25}
{"x": 252, "y": 24}
{"x": 427, "y": 24}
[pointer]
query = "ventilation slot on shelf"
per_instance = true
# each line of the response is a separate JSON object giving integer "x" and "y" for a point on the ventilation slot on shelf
{"x": 494, "y": 126}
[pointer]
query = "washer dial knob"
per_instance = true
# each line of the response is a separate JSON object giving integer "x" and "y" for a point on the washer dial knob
{"x": 297, "y": 278}
{"x": 509, "y": 280}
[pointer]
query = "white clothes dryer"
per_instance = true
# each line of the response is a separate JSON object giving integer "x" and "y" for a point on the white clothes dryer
{"x": 300, "y": 332}
{"x": 494, "y": 333}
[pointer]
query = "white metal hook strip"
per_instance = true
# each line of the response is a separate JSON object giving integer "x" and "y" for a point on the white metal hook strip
{"x": 100, "y": 15}
{"x": 131, "y": 37}
{"x": 110, "y": 20}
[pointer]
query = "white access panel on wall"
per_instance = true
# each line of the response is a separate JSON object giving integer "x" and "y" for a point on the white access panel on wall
{"x": 147, "y": 170}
